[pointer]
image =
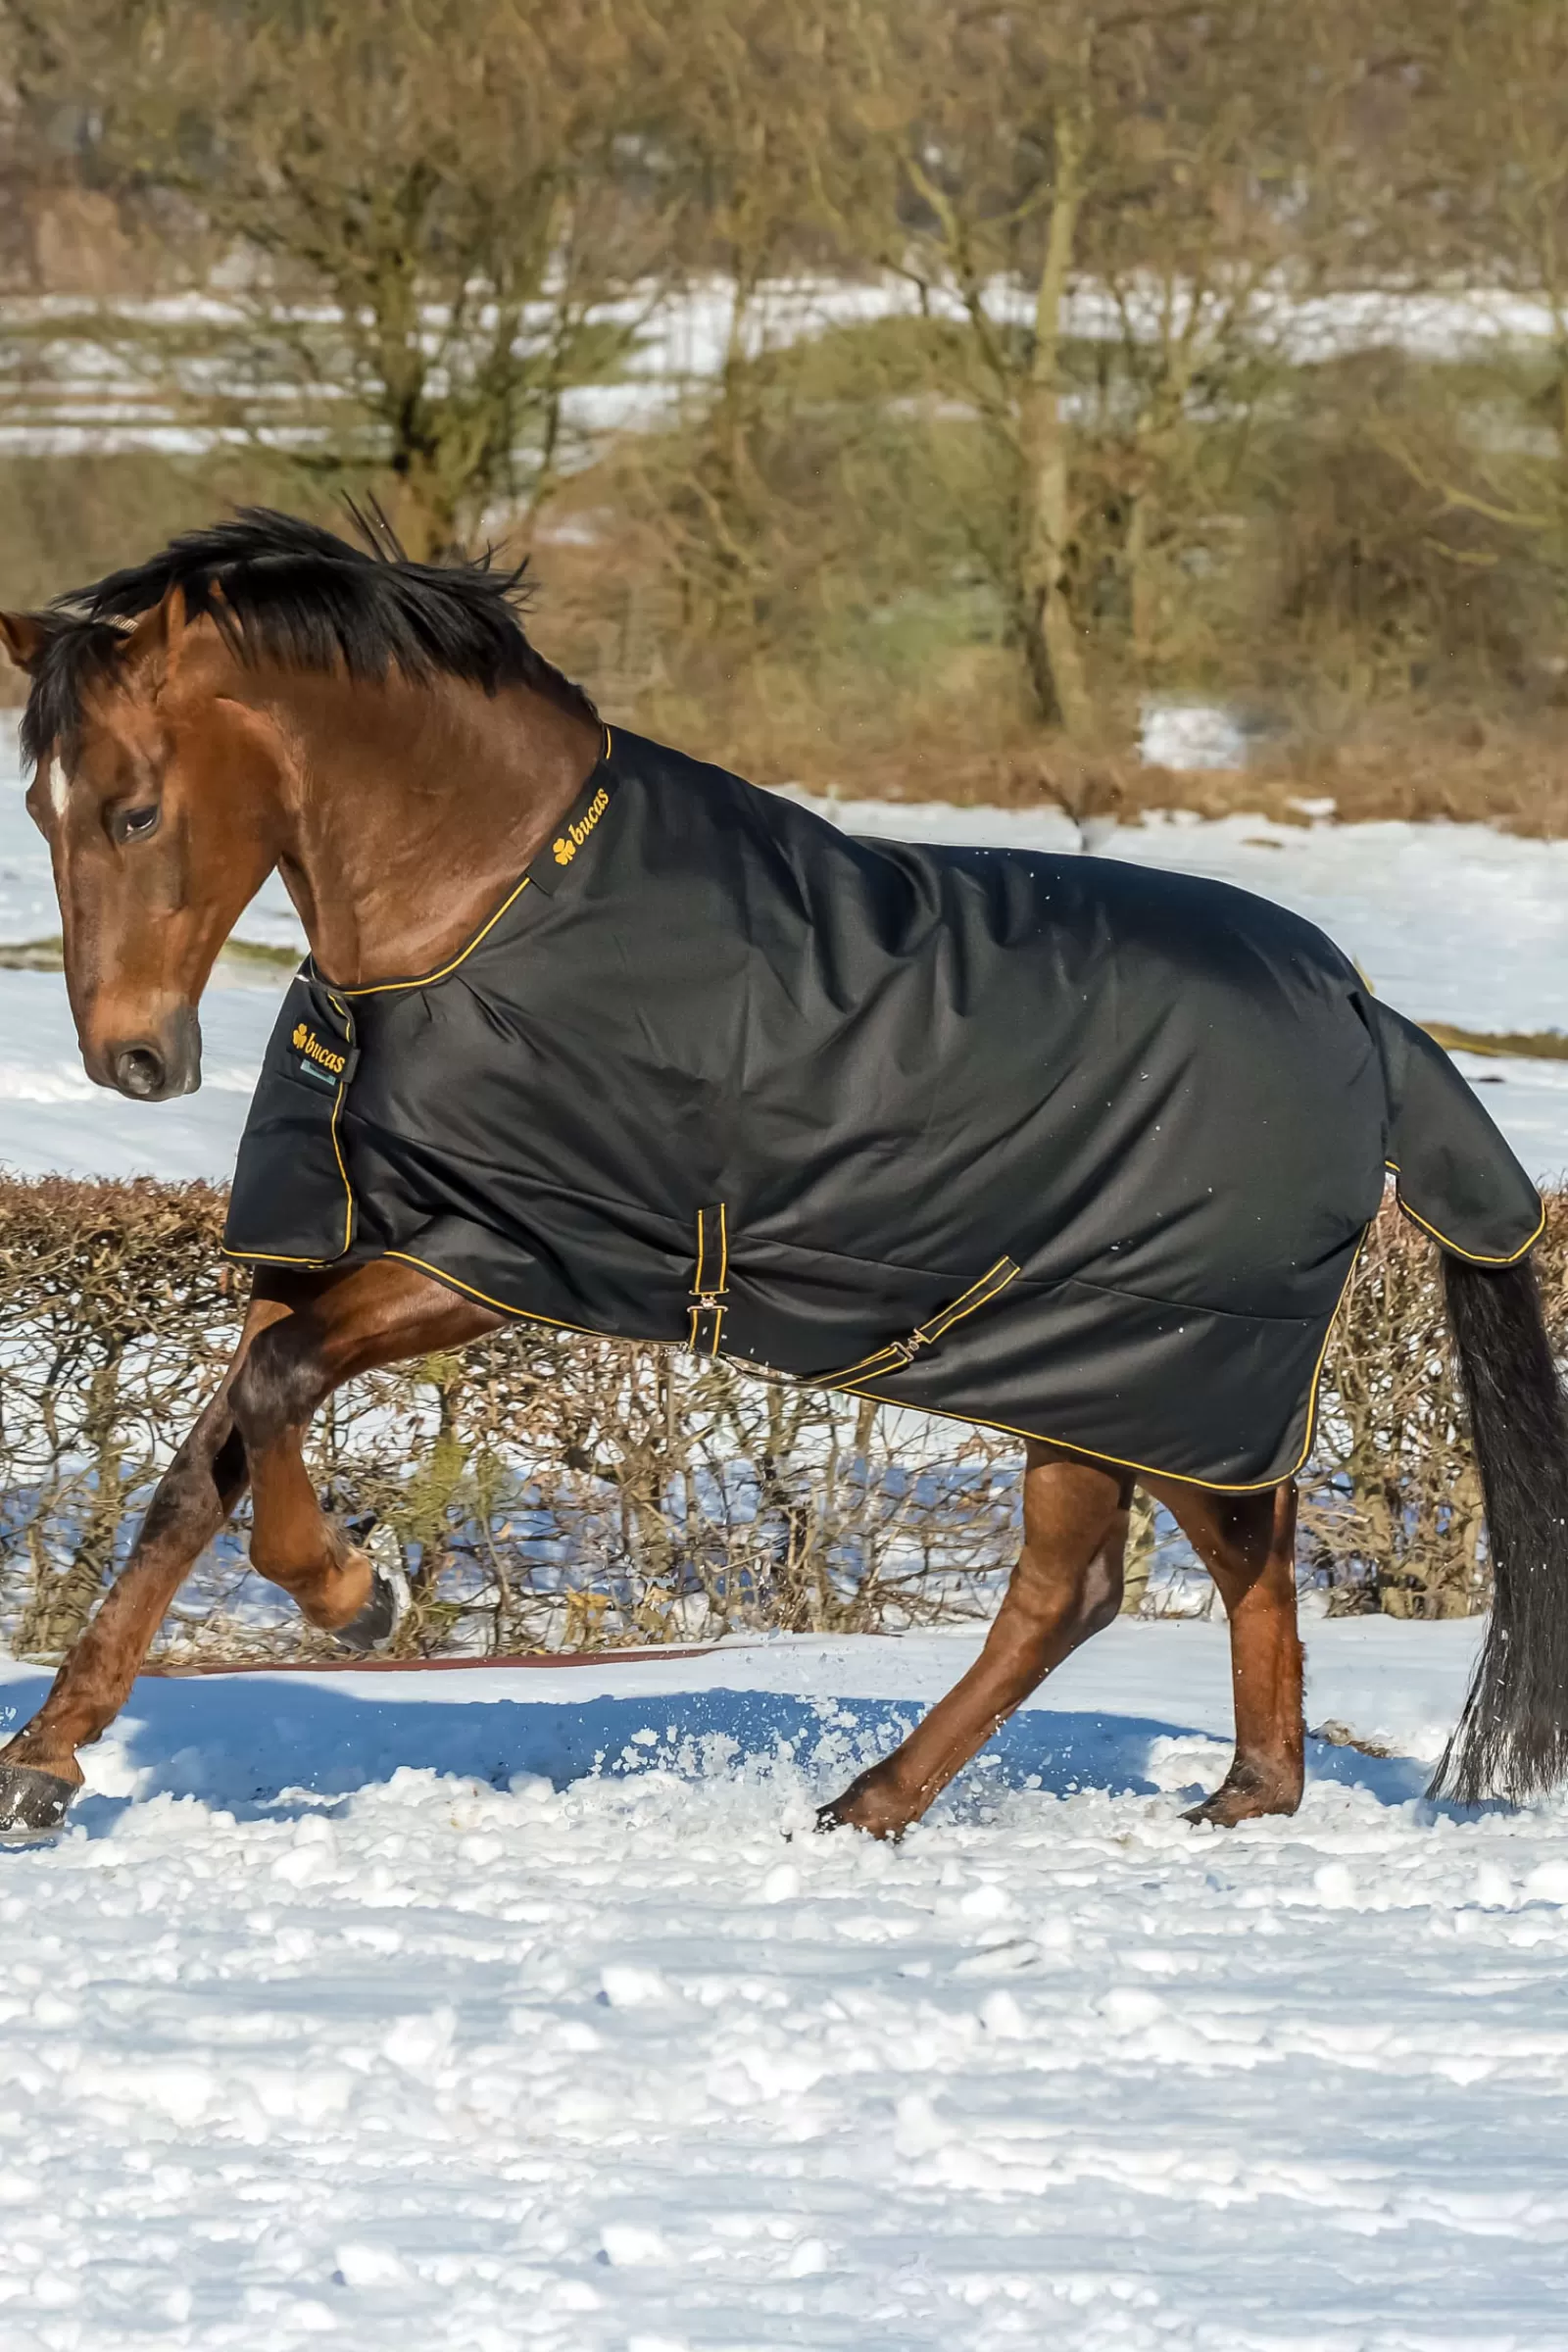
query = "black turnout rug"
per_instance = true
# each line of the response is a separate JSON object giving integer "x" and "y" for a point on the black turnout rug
{"x": 1060, "y": 1145}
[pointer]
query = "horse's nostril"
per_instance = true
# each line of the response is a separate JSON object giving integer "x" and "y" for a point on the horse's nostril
{"x": 140, "y": 1071}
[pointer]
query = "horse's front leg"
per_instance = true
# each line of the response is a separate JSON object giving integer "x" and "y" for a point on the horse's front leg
{"x": 38, "y": 1768}
{"x": 318, "y": 1328}
{"x": 379, "y": 1315}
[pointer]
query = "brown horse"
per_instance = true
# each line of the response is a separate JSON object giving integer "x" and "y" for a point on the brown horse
{"x": 391, "y": 744}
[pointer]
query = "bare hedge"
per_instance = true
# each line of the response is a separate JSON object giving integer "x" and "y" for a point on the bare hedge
{"x": 548, "y": 1493}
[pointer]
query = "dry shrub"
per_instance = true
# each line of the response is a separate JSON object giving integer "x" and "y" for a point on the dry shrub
{"x": 1392, "y": 1517}
{"x": 548, "y": 1494}
{"x": 542, "y": 1493}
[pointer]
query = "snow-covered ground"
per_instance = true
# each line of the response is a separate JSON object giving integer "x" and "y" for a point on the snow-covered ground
{"x": 70, "y": 390}
{"x": 480, "y": 2010}
{"x": 1450, "y": 922}
{"x": 492, "y": 2008}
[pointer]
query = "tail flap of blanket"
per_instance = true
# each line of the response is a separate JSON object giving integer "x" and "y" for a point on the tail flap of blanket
{"x": 1454, "y": 1173}
{"x": 291, "y": 1203}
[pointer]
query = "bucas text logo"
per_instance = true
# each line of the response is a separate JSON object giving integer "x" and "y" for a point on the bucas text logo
{"x": 311, "y": 1046}
{"x": 566, "y": 845}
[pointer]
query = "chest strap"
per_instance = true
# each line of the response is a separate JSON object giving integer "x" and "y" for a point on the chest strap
{"x": 709, "y": 1283}
{"x": 900, "y": 1352}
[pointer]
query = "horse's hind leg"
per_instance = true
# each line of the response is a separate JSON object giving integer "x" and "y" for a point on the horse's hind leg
{"x": 1066, "y": 1586}
{"x": 1248, "y": 1544}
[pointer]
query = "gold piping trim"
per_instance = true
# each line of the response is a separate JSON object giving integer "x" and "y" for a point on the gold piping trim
{"x": 900, "y": 1352}
{"x": 279, "y": 1258}
{"x": 1183, "y": 1478}
{"x": 382, "y": 988}
{"x": 1471, "y": 1257}
{"x": 693, "y": 1315}
{"x": 707, "y": 1299}
{"x": 523, "y": 1314}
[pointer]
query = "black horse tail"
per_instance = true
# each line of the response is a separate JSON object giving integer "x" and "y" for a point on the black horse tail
{"x": 1512, "y": 1738}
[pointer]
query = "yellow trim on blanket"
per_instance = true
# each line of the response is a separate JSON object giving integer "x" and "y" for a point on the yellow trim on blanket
{"x": 1093, "y": 1453}
{"x": 278, "y": 1257}
{"x": 383, "y": 988}
{"x": 1183, "y": 1478}
{"x": 898, "y": 1353}
{"x": 709, "y": 1299}
{"x": 524, "y": 1314}
{"x": 1471, "y": 1257}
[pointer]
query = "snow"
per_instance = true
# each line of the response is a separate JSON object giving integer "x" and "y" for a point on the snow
{"x": 72, "y": 391}
{"x": 1190, "y": 736}
{"x": 53, "y": 1117}
{"x": 369, "y": 2006}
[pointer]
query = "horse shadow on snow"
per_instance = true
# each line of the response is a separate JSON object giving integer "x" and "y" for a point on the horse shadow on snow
{"x": 252, "y": 1745}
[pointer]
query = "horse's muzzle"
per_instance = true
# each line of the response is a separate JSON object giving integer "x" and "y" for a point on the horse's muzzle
{"x": 150, "y": 1069}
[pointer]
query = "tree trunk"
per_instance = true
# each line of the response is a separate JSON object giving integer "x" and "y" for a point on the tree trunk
{"x": 1046, "y": 620}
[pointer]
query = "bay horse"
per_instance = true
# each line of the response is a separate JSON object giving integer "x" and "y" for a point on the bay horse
{"x": 265, "y": 696}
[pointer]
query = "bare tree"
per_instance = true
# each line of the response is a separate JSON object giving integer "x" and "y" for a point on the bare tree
{"x": 422, "y": 207}
{"x": 975, "y": 155}
{"x": 1124, "y": 176}
{"x": 1480, "y": 214}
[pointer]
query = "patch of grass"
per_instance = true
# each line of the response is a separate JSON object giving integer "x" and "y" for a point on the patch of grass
{"x": 48, "y": 955}
{"x": 253, "y": 952}
{"x": 1533, "y": 1045}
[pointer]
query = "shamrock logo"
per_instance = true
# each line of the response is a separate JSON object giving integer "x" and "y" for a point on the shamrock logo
{"x": 565, "y": 851}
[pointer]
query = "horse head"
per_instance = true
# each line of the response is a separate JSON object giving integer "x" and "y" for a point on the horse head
{"x": 258, "y": 695}
{"x": 153, "y": 791}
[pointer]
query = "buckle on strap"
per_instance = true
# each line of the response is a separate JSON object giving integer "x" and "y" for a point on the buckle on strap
{"x": 710, "y": 1282}
{"x": 900, "y": 1353}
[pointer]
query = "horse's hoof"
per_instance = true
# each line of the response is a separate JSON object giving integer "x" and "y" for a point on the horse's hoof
{"x": 842, "y": 1815}
{"x": 1234, "y": 1803}
{"x": 378, "y": 1621}
{"x": 31, "y": 1801}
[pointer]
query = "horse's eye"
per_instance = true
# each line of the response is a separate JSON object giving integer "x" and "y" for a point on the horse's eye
{"x": 134, "y": 824}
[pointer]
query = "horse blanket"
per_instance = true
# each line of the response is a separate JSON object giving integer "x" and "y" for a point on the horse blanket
{"x": 1061, "y": 1145}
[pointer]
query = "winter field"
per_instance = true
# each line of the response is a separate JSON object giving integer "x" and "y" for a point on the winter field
{"x": 491, "y": 2007}
{"x": 479, "y": 2009}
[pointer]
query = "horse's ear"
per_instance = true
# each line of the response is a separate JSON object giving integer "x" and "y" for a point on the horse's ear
{"x": 23, "y": 635}
{"x": 149, "y": 652}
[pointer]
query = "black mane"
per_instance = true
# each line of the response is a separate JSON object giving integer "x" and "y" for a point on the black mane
{"x": 287, "y": 591}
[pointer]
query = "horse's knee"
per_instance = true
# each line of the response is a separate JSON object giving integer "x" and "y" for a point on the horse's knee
{"x": 1047, "y": 1600}
{"x": 1100, "y": 1594}
{"x": 276, "y": 1387}
{"x": 1096, "y": 1599}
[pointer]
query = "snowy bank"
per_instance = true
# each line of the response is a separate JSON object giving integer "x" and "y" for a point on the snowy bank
{"x": 380, "y": 2016}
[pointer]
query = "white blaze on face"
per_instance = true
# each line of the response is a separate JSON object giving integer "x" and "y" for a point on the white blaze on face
{"x": 59, "y": 789}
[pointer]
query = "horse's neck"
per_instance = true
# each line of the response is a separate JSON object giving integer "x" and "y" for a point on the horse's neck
{"x": 414, "y": 810}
